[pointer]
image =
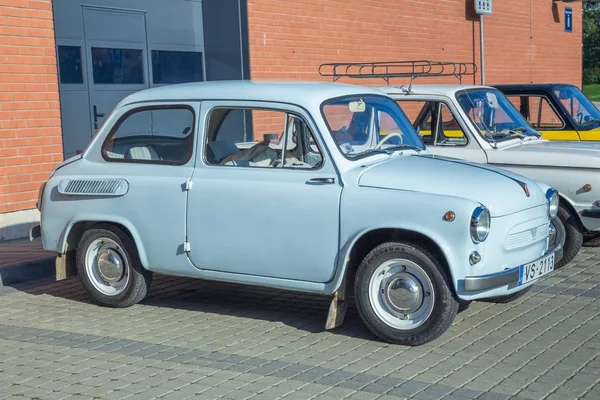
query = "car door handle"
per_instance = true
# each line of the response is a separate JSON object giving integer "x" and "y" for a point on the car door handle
{"x": 320, "y": 181}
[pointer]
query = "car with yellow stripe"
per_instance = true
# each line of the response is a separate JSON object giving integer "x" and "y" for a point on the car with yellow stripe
{"x": 558, "y": 111}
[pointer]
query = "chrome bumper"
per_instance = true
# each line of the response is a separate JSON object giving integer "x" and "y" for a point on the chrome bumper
{"x": 507, "y": 277}
{"x": 35, "y": 232}
{"x": 591, "y": 213}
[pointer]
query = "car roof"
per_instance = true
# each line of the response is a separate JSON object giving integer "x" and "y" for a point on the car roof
{"x": 514, "y": 87}
{"x": 302, "y": 93}
{"x": 446, "y": 89}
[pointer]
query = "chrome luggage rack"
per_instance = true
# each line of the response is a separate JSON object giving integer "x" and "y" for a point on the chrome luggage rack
{"x": 398, "y": 69}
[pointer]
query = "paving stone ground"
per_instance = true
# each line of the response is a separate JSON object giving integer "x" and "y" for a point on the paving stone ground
{"x": 206, "y": 340}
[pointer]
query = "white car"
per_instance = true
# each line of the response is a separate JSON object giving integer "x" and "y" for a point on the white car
{"x": 478, "y": 123}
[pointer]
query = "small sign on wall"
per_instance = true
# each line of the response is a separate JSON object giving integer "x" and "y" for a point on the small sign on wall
{"x": 568, "y": 19}
{"x": 483, "y": 7}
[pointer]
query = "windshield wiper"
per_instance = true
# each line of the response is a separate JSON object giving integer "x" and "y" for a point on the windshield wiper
{"x": 404, "y": 147}
{"x": 591, "y": 121}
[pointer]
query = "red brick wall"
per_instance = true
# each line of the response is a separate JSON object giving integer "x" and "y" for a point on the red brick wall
{"x": 30, "y": 133}
{"x": 523, "y": 40}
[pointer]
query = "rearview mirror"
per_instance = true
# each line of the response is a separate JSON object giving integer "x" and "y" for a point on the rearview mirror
{"x": 357, "y": 106}
{"x": 492, "y": 100}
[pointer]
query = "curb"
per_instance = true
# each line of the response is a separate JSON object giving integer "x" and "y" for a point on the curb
{"x": 27, "y": 271}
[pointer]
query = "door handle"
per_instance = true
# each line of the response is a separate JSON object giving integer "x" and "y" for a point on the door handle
{"x": 96, "y": 116}
{"x": 320, "y": 181}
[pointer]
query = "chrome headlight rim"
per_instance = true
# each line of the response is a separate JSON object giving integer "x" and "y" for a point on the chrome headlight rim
{"x": 552, "y": 201}
{"x": 480, "y": 224}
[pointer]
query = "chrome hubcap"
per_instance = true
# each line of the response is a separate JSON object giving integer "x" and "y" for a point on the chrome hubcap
{"x": 404, "y": 293}
{"x": 110, "y": 265}
{"x": 107, "y": 267}
{"x": 401, "y": 294}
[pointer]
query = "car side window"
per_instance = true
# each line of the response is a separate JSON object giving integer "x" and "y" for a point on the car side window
{"x": 542, "y": 114}
{"x": 419, "y": 114}
{"x": 246, "y": 137}
{"x": 538, "y": 111}
{"x": 156, "y": 134}
{"x": 450, "y": 132}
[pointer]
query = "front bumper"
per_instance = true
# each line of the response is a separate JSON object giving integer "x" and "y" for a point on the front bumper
{"x": 492, "y": 281}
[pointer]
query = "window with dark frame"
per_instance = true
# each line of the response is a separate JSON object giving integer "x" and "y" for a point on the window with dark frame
{"x": 117, "y": 66}
{"x": 69, "y": 64}
{"x": 170, "y": 67}
{"x": 161, "y": 135}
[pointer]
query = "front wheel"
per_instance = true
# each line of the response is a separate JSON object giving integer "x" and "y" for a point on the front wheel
{"x": 573, "y": 237}
{"x": 403, "y": 294}
{"x": 109, "y": 267}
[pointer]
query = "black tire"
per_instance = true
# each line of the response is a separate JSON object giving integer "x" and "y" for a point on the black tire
{"x": 135, "y": 289}
{"x": 591, "y": 239}
{"x": 508, "y": 298}
{"x": 445, "y": 303}
{"x": 559, "y": 239}
{"x": 573, "y": 237}
{"x": 463, "y": 305}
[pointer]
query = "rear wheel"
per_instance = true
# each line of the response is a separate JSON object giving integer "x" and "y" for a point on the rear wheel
{"x": 109, "y": 267}
{"x": 403, "y": 294}
{"x": 573, "y": 236}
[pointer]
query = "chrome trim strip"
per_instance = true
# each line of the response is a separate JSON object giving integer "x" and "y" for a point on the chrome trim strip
{"x": 491, "y": 281}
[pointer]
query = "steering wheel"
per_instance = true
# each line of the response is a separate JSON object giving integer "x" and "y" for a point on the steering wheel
{"x": 387, "y": 137}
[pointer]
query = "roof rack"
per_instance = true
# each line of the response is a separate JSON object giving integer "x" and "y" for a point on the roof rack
{"x": 397, "y": 69}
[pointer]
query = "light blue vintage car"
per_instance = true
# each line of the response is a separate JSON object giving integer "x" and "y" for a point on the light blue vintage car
{"x": 282, "y": 185}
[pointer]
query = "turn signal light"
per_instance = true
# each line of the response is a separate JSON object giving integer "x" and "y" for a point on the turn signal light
{"x": 449, "y": 216}
{"x": 587, "y": 187}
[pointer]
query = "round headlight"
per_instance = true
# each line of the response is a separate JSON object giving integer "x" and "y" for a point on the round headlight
{"x": 552, "y": 200}
{"x": 480, "y": 224}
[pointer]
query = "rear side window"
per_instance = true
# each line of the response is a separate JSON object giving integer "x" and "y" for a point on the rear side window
{"x": 159, "y": 135}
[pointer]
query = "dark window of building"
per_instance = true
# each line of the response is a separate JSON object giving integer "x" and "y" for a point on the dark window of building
{"x": 118, "y": 66}
{"x": 170, "y": 67}
{"x": 69, "y": 64}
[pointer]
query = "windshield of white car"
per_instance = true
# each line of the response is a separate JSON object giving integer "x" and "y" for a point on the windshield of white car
{"x": 493, "y": 115}
{"x": 577, "y": 105}
{"x": 367, "y": 125}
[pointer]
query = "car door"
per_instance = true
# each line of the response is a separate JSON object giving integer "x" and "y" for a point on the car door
{"x": 249, "y": 211}
{"x": 448, "y": 137}
{"x": 151, "y": 147}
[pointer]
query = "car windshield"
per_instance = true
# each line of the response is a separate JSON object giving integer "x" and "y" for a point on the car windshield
{"x": 581, "y": 109}
{"x": 493, "y": 115}
{"x": 367, "y": 125}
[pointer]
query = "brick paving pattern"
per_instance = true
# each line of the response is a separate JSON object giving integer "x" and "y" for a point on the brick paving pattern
{"x": 218, "y": 341}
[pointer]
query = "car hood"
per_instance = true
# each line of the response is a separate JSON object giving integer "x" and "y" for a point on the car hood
{"x": 549, "y": 154}
{"x": 501, "y": 191}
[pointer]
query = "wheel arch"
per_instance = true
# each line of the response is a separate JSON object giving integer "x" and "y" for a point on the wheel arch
{"x": 367, "y": 241}
{"x": 74, "y": 232}
{"x": 567, "y": 205}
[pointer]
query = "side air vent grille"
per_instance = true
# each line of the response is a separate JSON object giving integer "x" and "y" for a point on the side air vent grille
{"x": 93, "y": 187}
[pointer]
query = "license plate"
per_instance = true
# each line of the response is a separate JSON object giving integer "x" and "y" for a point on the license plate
{"x": 532, "y": 271}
